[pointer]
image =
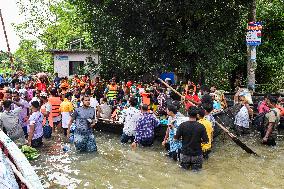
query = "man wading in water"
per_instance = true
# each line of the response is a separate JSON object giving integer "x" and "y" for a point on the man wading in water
{"x": 271, "y": 122}
{"x": 192, "y": 134}
{"x": 84, "y": 118}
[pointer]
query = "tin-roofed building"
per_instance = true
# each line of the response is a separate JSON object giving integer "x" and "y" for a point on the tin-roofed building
{"x": 72, "y": 61}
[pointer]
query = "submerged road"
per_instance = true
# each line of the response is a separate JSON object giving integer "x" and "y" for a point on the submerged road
{"x": 116, "y": 166}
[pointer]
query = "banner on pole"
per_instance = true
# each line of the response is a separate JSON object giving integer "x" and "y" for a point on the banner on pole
{"x": 253, "y": 37}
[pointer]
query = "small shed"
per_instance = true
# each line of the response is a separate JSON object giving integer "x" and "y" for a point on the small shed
{"x": 72, "y": 61}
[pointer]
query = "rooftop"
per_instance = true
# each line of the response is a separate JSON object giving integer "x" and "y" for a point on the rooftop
{"x": 73, "y": 50}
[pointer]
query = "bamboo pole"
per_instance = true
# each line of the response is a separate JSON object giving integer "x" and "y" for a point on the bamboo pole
{"x": 7, "y": 42}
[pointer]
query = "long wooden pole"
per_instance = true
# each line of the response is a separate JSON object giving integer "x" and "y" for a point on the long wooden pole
{"x": 231, "y": 135}
{"x": 236, "y": 140}
{"x": 167, "y": 85}
{"x": 7, "y": 42}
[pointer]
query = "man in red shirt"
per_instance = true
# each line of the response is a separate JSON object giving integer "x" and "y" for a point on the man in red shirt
{"x": 191, "y": 98}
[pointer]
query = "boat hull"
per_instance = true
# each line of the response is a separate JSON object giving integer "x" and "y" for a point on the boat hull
{"x": 117, "y": 128}
{"x": 225, "y": 117}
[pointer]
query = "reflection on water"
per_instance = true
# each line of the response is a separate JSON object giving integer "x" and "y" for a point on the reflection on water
{"x": 116, "y": 166}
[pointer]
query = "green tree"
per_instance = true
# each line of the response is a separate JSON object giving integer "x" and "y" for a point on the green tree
{"x": 203, "y": 40}
{"x": 30, "y": 59}
{"x": 4, "y": 62}
{"x": 200, "y": 38}
{"x": 51, "y": 25}
{"x": 270, "y": 70}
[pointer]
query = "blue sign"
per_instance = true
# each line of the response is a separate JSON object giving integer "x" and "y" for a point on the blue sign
{"x": 61, "y": 58}
{"x": 169, "y": 75}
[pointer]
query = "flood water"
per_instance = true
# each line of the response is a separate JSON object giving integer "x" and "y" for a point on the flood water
{"x": 117, "y": 166}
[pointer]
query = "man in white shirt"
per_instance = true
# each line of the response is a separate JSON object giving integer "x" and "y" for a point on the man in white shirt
{"x": 130, "y": 117}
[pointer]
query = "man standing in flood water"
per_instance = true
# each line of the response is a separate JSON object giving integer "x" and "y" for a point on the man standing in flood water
{"x": 192, "y": 134}
{"x": 84, "y": 118}
{"x": 271, "y": 122}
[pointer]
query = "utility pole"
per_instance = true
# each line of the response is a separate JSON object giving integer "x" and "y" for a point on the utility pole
{"x": 7, "y": 42}
{"x": 251, "y": 50}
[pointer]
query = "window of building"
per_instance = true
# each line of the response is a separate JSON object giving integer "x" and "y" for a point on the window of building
{"x": 76, "y": 67}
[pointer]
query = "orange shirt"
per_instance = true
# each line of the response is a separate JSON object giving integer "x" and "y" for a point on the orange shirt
{"x": 55, "y": 103}
{"x": 145, "y": 98}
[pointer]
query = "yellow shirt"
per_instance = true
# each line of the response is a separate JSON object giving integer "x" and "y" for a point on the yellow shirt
{"x": 209, "y": 130}
{"x": 66, "y": 106}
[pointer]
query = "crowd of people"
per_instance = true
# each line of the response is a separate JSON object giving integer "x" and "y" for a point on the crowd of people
{"x": 34, "y": 107}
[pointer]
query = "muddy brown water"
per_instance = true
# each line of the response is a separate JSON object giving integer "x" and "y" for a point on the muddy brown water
{"x": 116, "y": 166}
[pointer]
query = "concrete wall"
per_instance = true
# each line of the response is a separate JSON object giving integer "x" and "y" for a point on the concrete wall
{"x": 61, "y": 61}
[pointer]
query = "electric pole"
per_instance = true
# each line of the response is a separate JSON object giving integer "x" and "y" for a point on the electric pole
{"x": 251, "y": 50}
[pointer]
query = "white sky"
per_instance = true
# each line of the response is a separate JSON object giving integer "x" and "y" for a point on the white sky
{"x": 11, "y": 15}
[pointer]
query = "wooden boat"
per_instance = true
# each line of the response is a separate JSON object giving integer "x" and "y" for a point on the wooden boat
{"x": 15, "y": 169}
{"x": 109, "y": 126}
{"x": 226, "y": 117}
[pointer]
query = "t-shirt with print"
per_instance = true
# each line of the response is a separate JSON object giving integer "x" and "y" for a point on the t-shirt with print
{"x": 47, "y": 108}
{"x": 130, "y": 117}
{"x": 83, "y": 117}
{"x": 242, "y": 118}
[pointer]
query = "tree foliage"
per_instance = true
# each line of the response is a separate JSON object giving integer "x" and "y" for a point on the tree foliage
{"x": 48, "y": 25}
{"x": 270, "y": 71}
{"x": 30, "y": 59}
{"x": 201, "y": 40}
{"x": 5, "y": 64}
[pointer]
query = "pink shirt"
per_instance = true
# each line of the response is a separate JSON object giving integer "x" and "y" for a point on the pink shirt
{"x": 263, "y": 108}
